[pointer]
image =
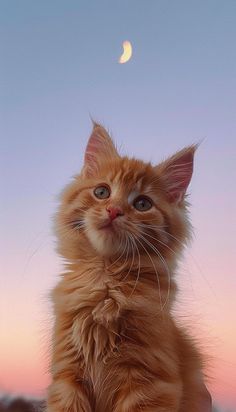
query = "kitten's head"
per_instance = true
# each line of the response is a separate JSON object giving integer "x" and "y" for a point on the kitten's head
{"x": 118, "y": 204}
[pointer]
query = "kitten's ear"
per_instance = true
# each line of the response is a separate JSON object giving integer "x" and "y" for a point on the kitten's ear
{"x": 100, "y": 147}
{"x": 177, "y": 172}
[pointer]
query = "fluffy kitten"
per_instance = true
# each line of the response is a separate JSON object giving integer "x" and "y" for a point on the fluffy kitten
{"x": 121, "y": 226}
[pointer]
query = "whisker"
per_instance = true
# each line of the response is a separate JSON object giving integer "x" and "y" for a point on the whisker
{"x": 76, "y": 229}
{"x": 158, "y": 228}
{"x": 157, "y": 276}
{"x": 120, "y": 254}
{"x": 126, "y": 255}
{"x": 184, "y": 246}
{"x": 164, "y": 264}
{"x": 139, "y": 264}
{"x": 76, "y": 223}
{"x": 133, "y": 256}
{"x": 162, "y": 243}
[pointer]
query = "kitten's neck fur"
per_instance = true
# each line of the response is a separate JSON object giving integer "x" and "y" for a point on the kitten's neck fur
{"x": 137, "y": 276}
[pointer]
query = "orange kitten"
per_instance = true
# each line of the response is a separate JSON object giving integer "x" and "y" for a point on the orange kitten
{"x": 121, "y": 226}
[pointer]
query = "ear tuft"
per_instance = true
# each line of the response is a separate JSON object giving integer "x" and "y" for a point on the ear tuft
{"x": 177, "y": 173}
{"x": 100, "y": 148}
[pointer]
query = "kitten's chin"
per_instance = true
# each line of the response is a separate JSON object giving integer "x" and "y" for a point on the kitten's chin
{"x": 106, "y": 241}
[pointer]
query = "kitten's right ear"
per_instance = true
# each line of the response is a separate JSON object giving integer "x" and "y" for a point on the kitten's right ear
{"x": 100, "y": 148}
{"x": 177, "y": 172}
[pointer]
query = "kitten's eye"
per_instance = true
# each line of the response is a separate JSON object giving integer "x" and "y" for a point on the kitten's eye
{"x": 102, "y": 192}
{"x": 143, "y": 203}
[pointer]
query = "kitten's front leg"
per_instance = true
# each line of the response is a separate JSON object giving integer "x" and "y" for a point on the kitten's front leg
{"x": 69, "y": 390}
{"x": 64, "y": 396}
{"x": 153, "y": 397}
{"x": 139, "y": 391}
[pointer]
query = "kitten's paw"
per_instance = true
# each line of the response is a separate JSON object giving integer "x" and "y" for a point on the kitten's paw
{"x": 64, "y": 396}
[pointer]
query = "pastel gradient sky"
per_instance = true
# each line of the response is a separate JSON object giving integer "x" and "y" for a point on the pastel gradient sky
{"x": 58, "y": 67}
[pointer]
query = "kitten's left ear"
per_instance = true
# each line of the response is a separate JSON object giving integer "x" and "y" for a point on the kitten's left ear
{"x": 177, "y": 172}
{"x": 100, "y": 148}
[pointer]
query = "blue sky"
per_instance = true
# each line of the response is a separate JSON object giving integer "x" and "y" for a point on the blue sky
{"x": 59, "y": 67}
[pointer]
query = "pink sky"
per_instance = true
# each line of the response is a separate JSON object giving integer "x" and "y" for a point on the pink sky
{"x": 205, "y": 303}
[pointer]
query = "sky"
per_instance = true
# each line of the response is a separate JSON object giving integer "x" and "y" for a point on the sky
{"x": 59, "y": 67}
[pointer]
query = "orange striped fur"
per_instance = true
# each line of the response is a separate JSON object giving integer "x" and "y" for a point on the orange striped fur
{"x": 116, "y": 346}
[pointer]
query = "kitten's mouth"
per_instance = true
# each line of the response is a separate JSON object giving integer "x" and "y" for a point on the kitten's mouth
{"x": 108, "y": 225}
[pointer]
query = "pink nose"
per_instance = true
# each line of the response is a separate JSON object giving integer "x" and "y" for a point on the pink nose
{"x": 114, "y": 212}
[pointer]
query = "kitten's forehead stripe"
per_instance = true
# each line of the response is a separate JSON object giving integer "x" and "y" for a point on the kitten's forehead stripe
{"x": 116, "y": 190}
{"x": 128, "y": 174}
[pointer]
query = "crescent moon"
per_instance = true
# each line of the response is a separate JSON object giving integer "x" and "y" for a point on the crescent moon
{"x": 127, "y": 52}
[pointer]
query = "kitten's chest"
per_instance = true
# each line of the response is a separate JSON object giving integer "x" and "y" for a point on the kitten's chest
{"x": 95, "y": 327}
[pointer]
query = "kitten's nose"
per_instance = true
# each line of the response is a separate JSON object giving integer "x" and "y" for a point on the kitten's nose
{"x": 114, "y": 212}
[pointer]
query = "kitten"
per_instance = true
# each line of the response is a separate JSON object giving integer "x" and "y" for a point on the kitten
{"x": 121, "y": 226}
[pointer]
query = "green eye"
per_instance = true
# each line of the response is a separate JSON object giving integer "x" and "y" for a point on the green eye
{"x": 102, "y": 192}
{"x": 142, "y": 204}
